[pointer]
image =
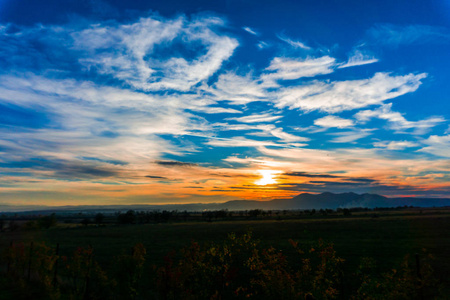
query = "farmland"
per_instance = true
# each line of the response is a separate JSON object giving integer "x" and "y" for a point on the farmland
{"x": 386, "y": 238}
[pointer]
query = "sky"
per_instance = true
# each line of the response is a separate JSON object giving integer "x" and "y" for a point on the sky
{"x": 157, "y": 102}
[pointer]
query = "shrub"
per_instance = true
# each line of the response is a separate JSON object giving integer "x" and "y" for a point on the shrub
{"x": 239, "y": 268}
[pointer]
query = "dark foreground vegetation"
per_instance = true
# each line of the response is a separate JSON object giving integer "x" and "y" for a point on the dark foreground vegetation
{"x": 386, "y": 254}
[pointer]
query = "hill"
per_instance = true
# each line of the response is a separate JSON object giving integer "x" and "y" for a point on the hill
{"x": 302, "y": 201}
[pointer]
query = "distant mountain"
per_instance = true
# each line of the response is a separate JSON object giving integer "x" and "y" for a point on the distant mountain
{"x": 333, "y": 201}
{"x": 302, "y": 201}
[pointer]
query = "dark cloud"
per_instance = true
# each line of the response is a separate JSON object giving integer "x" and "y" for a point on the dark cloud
{"x": 368, "y": 180}
{"x": 336, "y": 183}
{"x": 63, "y": 169}
{"x": 310, "y": 175}
{"x": 174, "y": 163}
{"x": 347, "y": 186}
{"x": 313, "y": 175}
{"x": 235, "y": 175}
{"x": 108, "y": 161}
{"x": 156, "y": 177}
{"x": 70, "y": 171}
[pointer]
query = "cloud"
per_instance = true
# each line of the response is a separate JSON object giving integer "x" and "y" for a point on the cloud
{"x": 262, "y": 118}
{"x": 295, "y": 44}
{"x": 136, "y": 53}
{"x": 358, "y": 59}
{"x": 262, "y": 45}
{"x": 251, "y": 31}
{"x": 395, "y": 35}
{"x": 397, "y": 121}
{"x": 333, "y": 121}
{"x": 282, "y": 68}
{"x": 437, "y": 145}
{"x": 239, "y": 142}
{"x": 155, "y": 177}
{"x": 287, "y": 137}
{"x": 349, "y": 136}
{"x": 310, "y": 175}
{"x": 60, "y": 169}
{"x": 339, "y": 96}
{"x": 237, "y": 89}
{"x": 173, "y": 163}
{"x": 100, "y": 104}
{"x": 396, "y": 145}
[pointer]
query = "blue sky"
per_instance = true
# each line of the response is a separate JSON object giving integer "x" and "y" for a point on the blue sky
{"x": 115, "y": 102}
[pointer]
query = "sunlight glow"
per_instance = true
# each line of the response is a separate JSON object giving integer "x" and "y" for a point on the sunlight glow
{"x": 268, "y": 177}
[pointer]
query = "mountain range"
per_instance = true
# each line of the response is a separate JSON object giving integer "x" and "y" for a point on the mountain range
{"x": 302, "y": 201}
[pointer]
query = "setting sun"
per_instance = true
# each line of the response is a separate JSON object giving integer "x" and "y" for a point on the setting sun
{"x": 267, "y": 177}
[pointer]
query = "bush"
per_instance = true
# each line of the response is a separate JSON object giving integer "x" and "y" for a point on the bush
{"x": 239, "y": 268}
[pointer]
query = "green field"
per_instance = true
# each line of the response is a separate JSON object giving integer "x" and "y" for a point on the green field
{"x": 387, "y": 238}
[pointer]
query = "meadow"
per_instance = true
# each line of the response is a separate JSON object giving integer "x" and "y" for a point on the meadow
{"x": 385, "y": 238}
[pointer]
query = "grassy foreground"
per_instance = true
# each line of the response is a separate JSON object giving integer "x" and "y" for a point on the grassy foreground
{"x": 386, "y": 239}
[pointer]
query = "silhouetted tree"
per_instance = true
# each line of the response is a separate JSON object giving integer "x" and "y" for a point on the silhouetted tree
{"x": 127, "y": 218}
{"x": 99, "y": 218}
{"x": 86, "y": 221}
{"x": 47, "y": 221}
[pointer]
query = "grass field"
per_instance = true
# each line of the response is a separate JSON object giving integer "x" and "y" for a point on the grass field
{"x": 387, "y": 238}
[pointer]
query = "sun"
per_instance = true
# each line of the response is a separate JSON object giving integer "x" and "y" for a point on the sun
{"x": 268, "y": 177}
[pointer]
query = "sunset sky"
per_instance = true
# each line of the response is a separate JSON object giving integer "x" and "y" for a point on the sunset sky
{"x": 155, "y": 102}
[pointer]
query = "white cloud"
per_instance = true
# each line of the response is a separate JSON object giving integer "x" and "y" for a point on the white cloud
{"x": 95, "y": 121}
{"x": 236, "y": 89}
{"x": 135, "y": 53}
{"x": 349, "y": 136}
{"x": 347, "y": 95}
{"x": 397, "y": 121}
{"x": 289, "y": 68}
{"x": 333, "y": 121}
{"x": 395, "y": 145}
{"x": 239, "y": 142}
{"x": 437, "y": 145}
{"x": 262, "y": 118}
{"x": 251, "y": 31}
{"x": 287, "y": 137}
{"x": 262, "y": 45}
{"x": 295, "y": 44}
{"x": 358, "y": 59}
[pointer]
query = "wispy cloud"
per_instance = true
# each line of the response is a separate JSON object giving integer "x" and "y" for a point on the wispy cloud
{"x": 240, "y": 142}
{"x": 263, "y": 45}
{"x": 339, "y": 96}
{"x": 237, "y": 89}
{"x": 358, "y": 59}
{"x": 396, "y": 145}
{"x": 134, "y": 52}
{"x": 437, "y": 145}
{"x": 293, "y": 43}
{"x": 397, "y": 121}
{"x": 262, "y": 118}
{"x": 173, "y": 163}
{"x": 251, "y": 31}
{"x": 333, "y": 121}
{"x": 282, "y": 68}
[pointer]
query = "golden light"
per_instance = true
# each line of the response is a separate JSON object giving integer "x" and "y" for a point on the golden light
{"x": 267, "y": 177}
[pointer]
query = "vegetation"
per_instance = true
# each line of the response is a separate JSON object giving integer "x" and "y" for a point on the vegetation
{"x": 319, "y": 256}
